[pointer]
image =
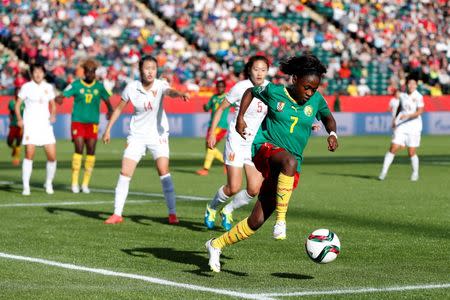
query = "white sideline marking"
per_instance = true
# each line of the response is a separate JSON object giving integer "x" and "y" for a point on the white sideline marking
{"x": 135, "y": 276}
{"x": 68, "y": 203}
{"x": 362, "y": 290}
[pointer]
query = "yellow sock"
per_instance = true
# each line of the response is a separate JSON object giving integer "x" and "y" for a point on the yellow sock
{"x": 16, "y": 154}
{"x": 88, "y": 167}
{"x": 209, "y": 157}
{"x": 218, "y": 155}
{"x": 76, "y": 166}
{"x": 238, "y": 233}
{"x": 284, "y": 191}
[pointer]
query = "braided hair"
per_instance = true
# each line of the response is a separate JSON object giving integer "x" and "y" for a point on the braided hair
{"x": 303, "y": 65}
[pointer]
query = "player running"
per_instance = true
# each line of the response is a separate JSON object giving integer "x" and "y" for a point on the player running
{"x": 277, "y": 149}
{"x": 221, "y": 129}
{"x": 407, "y": 124}
{"x": 87, "y": 93}
{"x": 149, "y": 131}
{"x": 37, "y": 127}
{"x": 238, "y": 150}
{"x": 14, "y": 138}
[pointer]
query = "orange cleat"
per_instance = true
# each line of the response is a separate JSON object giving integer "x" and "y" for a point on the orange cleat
{"x": 114, "y": 219}
{"x": 202, "y": 172}
{"x": 173, "y": 219}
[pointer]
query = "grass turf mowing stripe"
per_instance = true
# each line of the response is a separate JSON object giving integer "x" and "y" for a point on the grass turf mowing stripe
{"x": 108, "y": 191}
{"x": 134, "y": 276}
{"x": 362, "y": 290}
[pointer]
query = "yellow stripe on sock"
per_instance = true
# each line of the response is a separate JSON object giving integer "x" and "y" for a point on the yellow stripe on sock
{"x": 208, "y": 159}
{"x": 76, "y": 166}
{"x": 218, "y": 155}
{"x": 238, "y": 233}
{"x": 88, "y": 167}
{"x": 284, "y": 191}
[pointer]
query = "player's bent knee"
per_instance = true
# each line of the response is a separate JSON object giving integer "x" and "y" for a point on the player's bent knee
{"x": 290, "y": 164}
{"x": 255, "y": 221}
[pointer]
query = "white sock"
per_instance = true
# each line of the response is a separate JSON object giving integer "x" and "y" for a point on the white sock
{"x": 219, "y": 198}
{"x": 27, "y": 168}
{"x": 242, "y": 198}
{"x": 415, "y": 163}
{"x": 388, "y": 159}
{"x": 121, "y": 194}
{"x": 51, "y": 170}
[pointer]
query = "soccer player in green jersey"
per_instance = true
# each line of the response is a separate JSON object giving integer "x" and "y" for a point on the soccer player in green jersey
{"x": 221, "y": 129}
{"x": 87, "y": 93}
{"x": 14, "y": 138}
{"x": 277, "y": 149}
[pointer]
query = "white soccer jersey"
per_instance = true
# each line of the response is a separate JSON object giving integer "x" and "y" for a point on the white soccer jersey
{"x": 255, "y": 113}
{"x": 149, "y": 121}
{"x": 36, "y": 98}
{"x": 410, "y": 103}
{"x": 37, "y": 129}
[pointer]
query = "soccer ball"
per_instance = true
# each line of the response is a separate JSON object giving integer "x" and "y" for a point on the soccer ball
{"x": 322, "y": 246}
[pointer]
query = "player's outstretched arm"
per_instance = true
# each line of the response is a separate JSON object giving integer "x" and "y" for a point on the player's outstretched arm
{"x": 115, "y": 115}
{"x": 174, "y": 93}
{"x": 330, "y": 125}
{"x": 215, "y": 121}
{"x": 245, "y": 103}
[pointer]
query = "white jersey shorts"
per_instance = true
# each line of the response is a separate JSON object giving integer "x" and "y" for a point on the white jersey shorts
{"x": 237, "y": 151}
{"x": 406, "y": 138}
{"x": 137, "y": 148}
{"x": 38, "y": 135}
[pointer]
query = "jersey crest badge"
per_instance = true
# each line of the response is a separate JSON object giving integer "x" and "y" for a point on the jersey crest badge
{"x": 280, "y": 106}
{"x": 308, "y": 110}
{"x": 95, "y": 92}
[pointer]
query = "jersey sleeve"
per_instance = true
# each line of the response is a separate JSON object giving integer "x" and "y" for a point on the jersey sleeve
{"x": 322, "y": 109}
{"x": 126, "y": 94}
{"x": 264, "y": 93}
{"x": 104, "y": 93}
{"x": 235, "y": 94}
{"x": 69, "y": 91}
{"x": 22, "y": 92}
{"x": 164, "y": 86}
{"x": 51, "y": 92}
{"x": 420, "y": 102}
{"x": 210, "y": 104}
{"x": 11, "y": 105}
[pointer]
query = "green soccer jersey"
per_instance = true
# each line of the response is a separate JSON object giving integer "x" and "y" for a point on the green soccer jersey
{"x": 86, "y": 103}
{"x": 213, "y": 104}
{"x": 12, "y": 112}
{"x": 287, "y": 124}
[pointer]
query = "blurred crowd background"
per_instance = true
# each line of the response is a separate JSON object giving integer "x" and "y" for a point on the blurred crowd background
{"x": 370, "y": 47}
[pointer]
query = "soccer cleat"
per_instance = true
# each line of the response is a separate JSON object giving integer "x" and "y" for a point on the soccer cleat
{"x": 202, "y": 172}
{"x": 414, "y": 176}
{"x": 85, "y": 189}
{"x": 173, "y": 219}
{"x": 227, "y": 220}
{"x": 26, "y": 192}
{"x": 49, "y": 188}
{"x": 210, "y": 217}
{"x": 16, "y": 162}
{"x": 279, "y": 230}
{"x": 214, "y": 256}
{"x": 382, "y": 176}
{"x": 75, "y": 189}
{"x": 114, "y": 219}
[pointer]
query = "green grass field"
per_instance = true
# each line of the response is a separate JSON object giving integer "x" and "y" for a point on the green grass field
{"x": 394, "y": 234}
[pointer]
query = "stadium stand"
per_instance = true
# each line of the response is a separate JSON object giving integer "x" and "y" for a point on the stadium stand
{"x": 353, "y": 38}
